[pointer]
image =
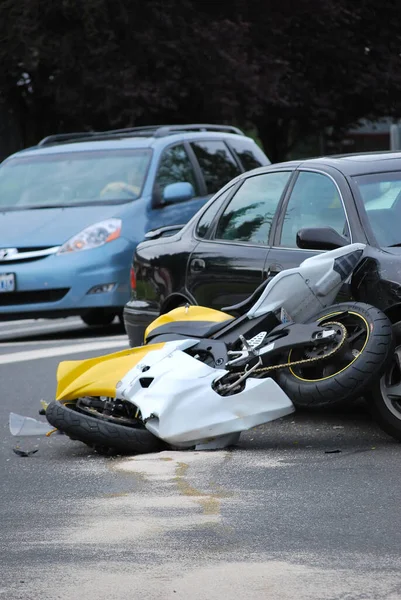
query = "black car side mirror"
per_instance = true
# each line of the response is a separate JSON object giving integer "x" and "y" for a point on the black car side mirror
{"x": 320, "y": 238}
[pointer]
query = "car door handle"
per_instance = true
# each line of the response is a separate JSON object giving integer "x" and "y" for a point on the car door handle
{"x": 197, "y": 264}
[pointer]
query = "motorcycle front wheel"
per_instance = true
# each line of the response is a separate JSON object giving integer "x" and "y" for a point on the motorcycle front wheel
{"x": 105, "y": 436}
{"x": 350, "y": 371}
{"x": 384, "y": 398}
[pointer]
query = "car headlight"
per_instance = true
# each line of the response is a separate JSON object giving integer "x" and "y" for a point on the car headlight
{"x": 93, "y": 236}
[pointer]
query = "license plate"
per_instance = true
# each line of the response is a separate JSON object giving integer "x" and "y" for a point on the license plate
{"x": 7, "y": 282}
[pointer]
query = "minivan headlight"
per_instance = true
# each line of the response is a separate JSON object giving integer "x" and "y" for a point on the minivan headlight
{"x": 93, "y": 236}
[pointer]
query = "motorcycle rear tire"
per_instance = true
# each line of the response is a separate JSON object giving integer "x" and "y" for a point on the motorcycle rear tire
{"x": 101, "y": 434}
{"x": 353, "y": 380}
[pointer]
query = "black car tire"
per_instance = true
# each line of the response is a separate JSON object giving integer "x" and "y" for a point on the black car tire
{"x": 100, "y": 433}
{"x": 98, "y": 318}
{"x": 359, "y": 375}
{"x": 384, "y": 406}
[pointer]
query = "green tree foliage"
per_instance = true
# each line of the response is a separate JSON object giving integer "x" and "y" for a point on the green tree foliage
{"x": 288, "y": 69}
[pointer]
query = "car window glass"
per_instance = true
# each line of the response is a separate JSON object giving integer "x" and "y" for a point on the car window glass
{"x": 314, "y": 202}
{"x": 217, "y": 164}
{"x": 175, "y": 166}
{"x": 381, "y": 196}
{"x": 249, "y": 215}
{"x": 250, "y": 156}
{"x": 208, "y": 216}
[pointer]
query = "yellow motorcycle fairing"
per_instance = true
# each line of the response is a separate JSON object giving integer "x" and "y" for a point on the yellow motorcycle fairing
{"x": 97, "y": 376}
{"x": 188, "y": 313}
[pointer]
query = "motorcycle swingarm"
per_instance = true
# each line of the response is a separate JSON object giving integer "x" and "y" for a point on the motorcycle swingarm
{"x": 291, "y": 336}
{"x": 284, "y": 338}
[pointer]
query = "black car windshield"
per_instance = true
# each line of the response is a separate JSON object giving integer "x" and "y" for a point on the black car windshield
{"x": 381, "y": 195}
{"x": 73, "y": 178}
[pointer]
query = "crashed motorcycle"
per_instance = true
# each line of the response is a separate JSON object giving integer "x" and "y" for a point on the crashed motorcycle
{"x": 204, "y": 376}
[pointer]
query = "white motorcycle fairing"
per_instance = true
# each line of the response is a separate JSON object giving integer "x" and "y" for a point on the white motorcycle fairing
{"x": 302, "y": 291}
{"x": 179, "y": 405}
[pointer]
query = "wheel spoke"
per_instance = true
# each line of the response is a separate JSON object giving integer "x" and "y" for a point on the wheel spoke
{"x": 392, "y": 381}
{"x": 329, "y": 370}
{"x": 397, "y": 359}
{"x": 345, "y": 357}
{"x": 394, "y": 391}
{"x": 354, "y": 336}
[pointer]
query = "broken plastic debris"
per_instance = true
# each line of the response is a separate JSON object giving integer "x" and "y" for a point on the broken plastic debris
{"x": 55, "y": 430}
{"x": 24, "y": 426}
{"x": 44, "y": 405}
{"x": 25, "y": 453}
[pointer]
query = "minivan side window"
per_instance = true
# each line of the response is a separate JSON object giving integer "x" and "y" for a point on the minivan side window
{"x": 249, "y": 215}
{"x": 208, "y": 216}
{"x": 175, "y": 166}
{"x": 216, "y": 163}
{"x": 314, "y": 202}
{"x": 249, "y": 155}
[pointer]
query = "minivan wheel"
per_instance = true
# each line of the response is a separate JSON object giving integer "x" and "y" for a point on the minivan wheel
{"x": 98, "y": 317}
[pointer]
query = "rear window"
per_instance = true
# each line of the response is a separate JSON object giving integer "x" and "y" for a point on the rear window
{"x": 216, "y": 163}
{"x": 249, "y": 215}
{"x": 249, "y": 155}
{"x": 208, "y": 216}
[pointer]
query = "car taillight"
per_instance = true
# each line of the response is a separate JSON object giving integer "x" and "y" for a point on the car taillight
{"x": 133, "y": 279}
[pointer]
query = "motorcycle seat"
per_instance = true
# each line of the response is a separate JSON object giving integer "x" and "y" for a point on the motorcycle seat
{"x": 194, "y": 329}
{"x": 242, "y": 307}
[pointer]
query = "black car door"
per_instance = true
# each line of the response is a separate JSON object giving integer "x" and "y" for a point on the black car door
{"x": 315, "y": 199}
{"x": 226, "y": 268}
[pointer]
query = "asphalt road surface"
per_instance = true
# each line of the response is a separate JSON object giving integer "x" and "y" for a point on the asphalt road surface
{"x": 307, "y": 507}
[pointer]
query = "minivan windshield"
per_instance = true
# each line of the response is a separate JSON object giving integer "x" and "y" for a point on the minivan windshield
{"x": 381, "y": 196}
{"x": 73, "y": 178}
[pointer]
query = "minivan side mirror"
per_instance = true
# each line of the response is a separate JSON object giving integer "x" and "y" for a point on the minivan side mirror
{"x": 320, "y": 238}
{"x": 178, "y": 192}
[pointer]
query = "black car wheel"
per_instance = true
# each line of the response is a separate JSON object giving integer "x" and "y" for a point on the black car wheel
{"x": 385, "y": 397}
{"x": 98, "y": 317}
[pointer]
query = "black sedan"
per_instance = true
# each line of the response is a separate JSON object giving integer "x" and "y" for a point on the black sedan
{"x": 248, "y": 231}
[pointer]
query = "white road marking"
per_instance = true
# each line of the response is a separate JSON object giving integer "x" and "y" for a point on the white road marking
{"x": 19, "y": 322}
{"x": 40, "y": 328}
{"x": 57, "y": 343}
{"x": 60, "y": 351}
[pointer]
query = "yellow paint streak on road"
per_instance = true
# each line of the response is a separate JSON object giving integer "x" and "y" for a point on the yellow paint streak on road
{"x": 210, "y": 503}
